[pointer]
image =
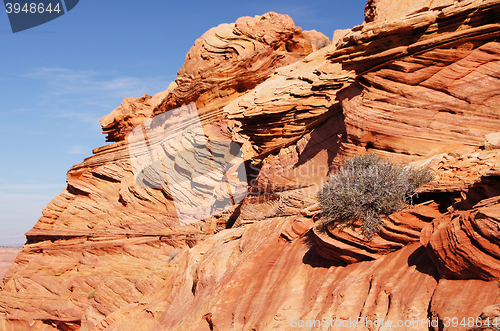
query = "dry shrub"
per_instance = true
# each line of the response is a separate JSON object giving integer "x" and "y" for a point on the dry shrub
{"x": 367, "y": 187}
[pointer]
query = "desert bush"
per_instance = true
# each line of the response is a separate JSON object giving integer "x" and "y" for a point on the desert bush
{"x": 367, "y": 187}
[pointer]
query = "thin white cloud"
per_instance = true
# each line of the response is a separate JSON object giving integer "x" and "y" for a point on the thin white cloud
{"x": 78, "y": 149}
{"x": 81, "y": 116}
{"x": 64, "y": 81}
{"x": 87, "y": 95}
{"x": 15, "y": 187}
{"x": 123, "y": 83}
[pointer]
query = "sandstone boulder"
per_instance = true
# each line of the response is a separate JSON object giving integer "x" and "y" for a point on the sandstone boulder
{"x": 492, "y": 141}
{"x": 466, "y": 245}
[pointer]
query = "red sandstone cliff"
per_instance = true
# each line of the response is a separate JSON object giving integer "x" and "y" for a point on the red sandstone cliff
{"x": 418, "y": 84}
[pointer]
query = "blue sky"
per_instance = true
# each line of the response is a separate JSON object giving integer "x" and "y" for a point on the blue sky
{"x": 58, "y": 79}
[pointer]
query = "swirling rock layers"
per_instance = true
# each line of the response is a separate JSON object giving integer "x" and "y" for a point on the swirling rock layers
{"x": 466, "y": 245}
{"x": 111, "y": 254}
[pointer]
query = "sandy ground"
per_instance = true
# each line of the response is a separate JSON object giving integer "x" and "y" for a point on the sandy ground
{"x": 7, "y": 256}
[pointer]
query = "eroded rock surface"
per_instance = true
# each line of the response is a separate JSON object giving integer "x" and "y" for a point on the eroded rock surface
{"x": 390, "y": 10}
{"x": 465, "y": 179}
{"x": 132, "y": 112}
{"x": 303, "y": 286}
{"x": 415, "y": 85}
{"x": 465, "y": 244}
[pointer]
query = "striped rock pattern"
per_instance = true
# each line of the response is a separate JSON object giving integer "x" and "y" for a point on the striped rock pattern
{"x": 110, "y": 253}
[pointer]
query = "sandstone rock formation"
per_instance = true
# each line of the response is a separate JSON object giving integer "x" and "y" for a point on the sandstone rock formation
{"x": 390, "y": 10}
{"x": 233, "y": 58}
{"x": 492, "y": 141}
{"x": 419, "y": 85}
{"x": 465, "y": 180}
{"x": 223, "y": 64}
{"x": 464, "y": 243}
{"x": 132, "y": 112}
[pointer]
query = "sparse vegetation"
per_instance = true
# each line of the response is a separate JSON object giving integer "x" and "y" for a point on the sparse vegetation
{"x": 90, "y": 295}
{"x": 367, "y": 187}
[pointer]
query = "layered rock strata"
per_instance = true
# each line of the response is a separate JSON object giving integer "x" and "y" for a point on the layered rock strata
{"x": 464, "y": 180}
{"x": 110, "y": 252}
{"x": 465, "y": 244}
{"x": 224, "y": 63}
{"x": 422, "y": 83}
{"x": 112, "y": 216}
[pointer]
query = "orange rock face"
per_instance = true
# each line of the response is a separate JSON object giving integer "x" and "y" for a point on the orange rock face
{"x": 465, "y": 244}
{"x": 436, "y": 223}
{"x": 417, "y": 82}
{"x": 390, "y": 10}
{"x": 350, "y": 246}
{"x": 277, "y": 280}
{"x": 231, "y": 59}
{"x": 132, "y": 112}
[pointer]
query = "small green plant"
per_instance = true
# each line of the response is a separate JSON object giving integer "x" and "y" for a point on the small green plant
{"x": 367, "y": 187}
{"x": 90, "y": 295}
